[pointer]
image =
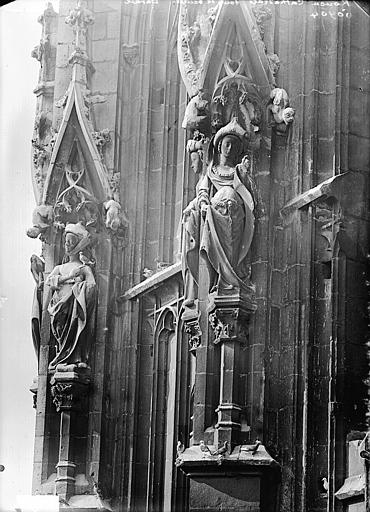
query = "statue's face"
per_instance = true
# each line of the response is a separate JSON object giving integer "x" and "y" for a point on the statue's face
{"x": 230, "y": 147}
{"x": 70, "y": 243}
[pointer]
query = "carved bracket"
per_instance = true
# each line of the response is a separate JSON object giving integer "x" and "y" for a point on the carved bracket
{"x": 69, "y": 389}
{"x": 228, "y": 324}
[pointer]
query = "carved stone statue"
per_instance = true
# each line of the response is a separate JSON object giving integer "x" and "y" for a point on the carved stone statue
{"x": 42, "y": 218}
{"x": 281, "y": 114}
{"x": 113, "y": 210}
{"x": 72, "y": 305}
{"x": 195, "y": 148}
{"x": 226, "y": 201}
{"x": 197, "y": 115}
{"x": 115, "y": 217}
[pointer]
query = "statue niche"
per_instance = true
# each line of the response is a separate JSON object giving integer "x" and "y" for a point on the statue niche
{"x": 72, "y": 305}
{"x": 219, "y": 222}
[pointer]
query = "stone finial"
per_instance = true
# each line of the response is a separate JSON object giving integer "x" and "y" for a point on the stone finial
{"x": 79, "y": 19}
{"x": 48, "y": 13}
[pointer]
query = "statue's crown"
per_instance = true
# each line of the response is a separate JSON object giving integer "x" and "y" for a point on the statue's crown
{"x": 232, "y": 128}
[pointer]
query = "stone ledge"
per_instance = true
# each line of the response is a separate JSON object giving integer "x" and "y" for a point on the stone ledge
{"x": 325, "y": 189}
{"x": 194, "y": 462}
{"x": 152, "y": 282}
{"x": 353, "y": 486}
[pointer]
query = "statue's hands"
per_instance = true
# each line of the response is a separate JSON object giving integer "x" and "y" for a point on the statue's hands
{"x": 203, "y": 205}
{"x": 186, "y": 213}
{"x": 76, "y": 273}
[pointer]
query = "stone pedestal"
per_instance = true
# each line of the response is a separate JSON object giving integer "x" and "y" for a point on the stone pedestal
{"x": 245, "y": 480}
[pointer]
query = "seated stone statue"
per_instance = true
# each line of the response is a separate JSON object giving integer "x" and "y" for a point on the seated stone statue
{"x": 72, "y": 304}
{"x": 226, "y": 201}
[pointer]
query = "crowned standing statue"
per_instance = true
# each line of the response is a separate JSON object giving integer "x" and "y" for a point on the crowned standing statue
{"x": 226, "y": 200}
{"x": 72, "y": 304}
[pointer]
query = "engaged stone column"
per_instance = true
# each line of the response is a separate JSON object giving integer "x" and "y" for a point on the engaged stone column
{"x": 230, "y": 323}
{"x": 68, "y": 388}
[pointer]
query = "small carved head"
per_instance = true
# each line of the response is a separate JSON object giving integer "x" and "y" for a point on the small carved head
{"x": 288, "y": 115}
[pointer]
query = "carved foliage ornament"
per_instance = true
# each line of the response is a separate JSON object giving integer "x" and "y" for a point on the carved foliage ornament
{"x": 68, "y": 395}
{"x": 192, "y": 329}
{"x": 228, "y": 324}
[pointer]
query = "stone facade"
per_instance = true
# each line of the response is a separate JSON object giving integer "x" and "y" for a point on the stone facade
{"x": 200, "y": 309}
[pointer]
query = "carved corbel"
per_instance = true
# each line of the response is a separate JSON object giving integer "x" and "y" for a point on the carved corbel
{"x": 228, "y": 324}
{"x": 192, "y": 329}
{"x": 69, "y": 387}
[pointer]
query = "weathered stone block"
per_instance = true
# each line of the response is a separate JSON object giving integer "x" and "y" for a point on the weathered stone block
{"x": 99, "y": 29}
{"x": 113, "y": 25}
{"x": 105, "y": 50}
{"x": 231, "y": 494}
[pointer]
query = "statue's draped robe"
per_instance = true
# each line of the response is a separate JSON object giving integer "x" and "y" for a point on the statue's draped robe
{"x": 71, "y": 315}
{"x": 226, "y": 234}
{"x": 36, "y": 320}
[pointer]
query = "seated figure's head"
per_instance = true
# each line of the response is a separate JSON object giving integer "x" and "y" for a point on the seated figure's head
{"x": 230, "y": 147}
{"x": 76, "y": 238}
{"x": 230, "y": 141}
